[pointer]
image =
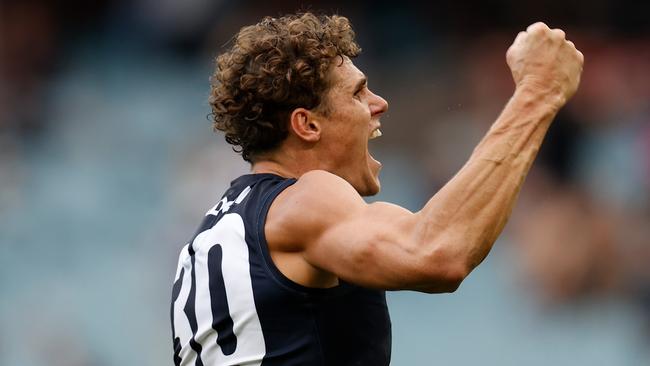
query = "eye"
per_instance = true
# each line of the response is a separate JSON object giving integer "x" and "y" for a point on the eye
{"x": 357, "y": 94}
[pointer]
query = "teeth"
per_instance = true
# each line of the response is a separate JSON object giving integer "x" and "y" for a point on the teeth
{"x": 376, "y": 133}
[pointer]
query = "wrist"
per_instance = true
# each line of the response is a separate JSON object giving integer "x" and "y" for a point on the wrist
{"x": 540, "y": 91}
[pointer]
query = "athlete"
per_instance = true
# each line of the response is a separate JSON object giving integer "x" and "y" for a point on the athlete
{"x": 291, "y": 265}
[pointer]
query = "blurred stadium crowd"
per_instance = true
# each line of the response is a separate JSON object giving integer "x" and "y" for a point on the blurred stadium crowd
{"x": 107, "y": 162}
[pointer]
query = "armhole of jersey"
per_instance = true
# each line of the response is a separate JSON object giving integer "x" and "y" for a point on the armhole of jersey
{"x": 272, "y": 270}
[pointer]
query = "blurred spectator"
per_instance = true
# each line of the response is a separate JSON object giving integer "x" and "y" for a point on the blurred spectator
{"x": 567, "y": 244}
{"x": 28, "y": 48}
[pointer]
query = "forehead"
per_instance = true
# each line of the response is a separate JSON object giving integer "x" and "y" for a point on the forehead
{"x": 344, "y": 74}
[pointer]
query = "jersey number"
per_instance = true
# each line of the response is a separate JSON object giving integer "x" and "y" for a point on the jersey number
{"x": 213, "y": 309}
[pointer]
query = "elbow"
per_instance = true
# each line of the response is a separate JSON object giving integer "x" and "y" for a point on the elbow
{"x": 444, "y": 273}
{"x": 454, "y": 280}
{"x": 449, "y": 280}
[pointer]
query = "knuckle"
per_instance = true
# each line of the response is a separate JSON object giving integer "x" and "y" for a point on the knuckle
{"x": 537, "y": 27}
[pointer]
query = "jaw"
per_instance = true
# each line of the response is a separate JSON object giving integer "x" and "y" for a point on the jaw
{"x": 354, "y": 163}
{"x": 371, "y": 185}
{"x": 363, "y": 175}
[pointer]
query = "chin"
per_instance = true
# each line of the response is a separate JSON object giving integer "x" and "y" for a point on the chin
{"x": 371, "y": 188}
{"x": 373, "y": 191}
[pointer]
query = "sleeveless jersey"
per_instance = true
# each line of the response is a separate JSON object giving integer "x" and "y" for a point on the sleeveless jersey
{"x": 232, "y": 306}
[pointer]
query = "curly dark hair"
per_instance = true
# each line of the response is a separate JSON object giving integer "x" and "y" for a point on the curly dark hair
{"x": 272, "y": 68}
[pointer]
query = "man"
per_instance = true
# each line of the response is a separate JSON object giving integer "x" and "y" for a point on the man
{"x": 290, "y": 267}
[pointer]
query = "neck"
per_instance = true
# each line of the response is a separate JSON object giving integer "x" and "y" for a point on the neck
{"x": 285, "y": 165}
{"x": 270, "y": 166}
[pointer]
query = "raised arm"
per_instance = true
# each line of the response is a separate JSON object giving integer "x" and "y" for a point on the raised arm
{"x": 323, "y": 220}
{"x": 477, "y": 202}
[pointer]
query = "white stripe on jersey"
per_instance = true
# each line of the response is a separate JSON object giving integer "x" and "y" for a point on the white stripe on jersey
{"x": 229, "y": 233}
{"x": 181, "y": 324}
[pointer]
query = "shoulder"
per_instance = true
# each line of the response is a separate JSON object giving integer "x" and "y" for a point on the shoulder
{"x": 316, "y": 201}
{"x": 326, "y": 185}
{"x": 321, "y": 193}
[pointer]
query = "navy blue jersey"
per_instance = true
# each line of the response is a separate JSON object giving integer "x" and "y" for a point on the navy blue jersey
{"x": 232, "y": 306}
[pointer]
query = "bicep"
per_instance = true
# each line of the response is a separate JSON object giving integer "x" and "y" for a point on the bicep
{"x": 372, "y": 245}
{"x": 377, "y": 245}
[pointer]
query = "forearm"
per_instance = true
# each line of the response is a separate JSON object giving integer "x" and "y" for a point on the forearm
{"x": 467, "y": 215}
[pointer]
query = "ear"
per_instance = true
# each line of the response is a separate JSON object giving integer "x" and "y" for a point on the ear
{"x": 305, "y": 125}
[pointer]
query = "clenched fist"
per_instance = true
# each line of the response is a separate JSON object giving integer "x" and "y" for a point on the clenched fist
{"x": 543, "y": 59}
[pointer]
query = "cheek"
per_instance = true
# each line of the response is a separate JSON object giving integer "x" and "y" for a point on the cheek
{"x": 349, "y": 131}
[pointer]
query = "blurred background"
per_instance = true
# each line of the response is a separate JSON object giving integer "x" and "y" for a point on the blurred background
{"x": 108, "y": 163}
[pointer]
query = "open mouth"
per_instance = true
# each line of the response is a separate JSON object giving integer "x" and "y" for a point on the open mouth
{"x": 375, "y": 133}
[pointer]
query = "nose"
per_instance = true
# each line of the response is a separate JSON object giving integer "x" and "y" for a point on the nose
{"x": 378, "y": 105}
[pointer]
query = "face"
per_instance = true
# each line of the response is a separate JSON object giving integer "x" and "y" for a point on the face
{"x": 352, "y": 119}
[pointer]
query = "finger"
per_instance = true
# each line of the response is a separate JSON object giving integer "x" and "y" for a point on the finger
{"x": 559, "y": 33}
{"x": 537, "y": 27}
{"x": 520, "y": 36}
{"x": 581, "y": 57}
